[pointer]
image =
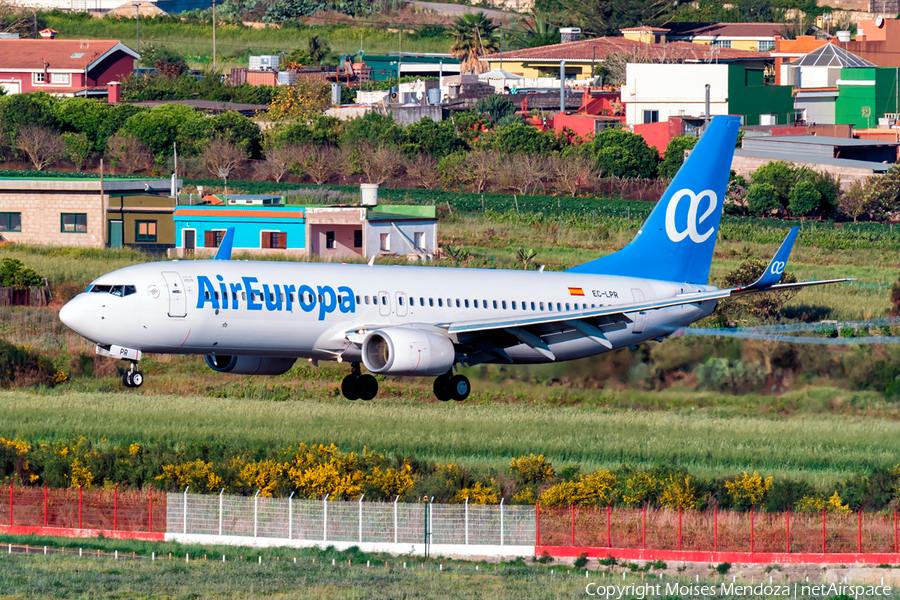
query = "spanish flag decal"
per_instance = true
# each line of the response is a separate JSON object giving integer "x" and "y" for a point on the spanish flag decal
{"x": 576, "y": 291}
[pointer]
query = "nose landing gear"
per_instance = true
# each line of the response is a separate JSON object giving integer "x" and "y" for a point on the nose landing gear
{"x": 132, "y": 377}
{"x": 357, "y": 386}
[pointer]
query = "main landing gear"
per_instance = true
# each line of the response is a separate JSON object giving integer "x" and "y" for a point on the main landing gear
{"x": 356, "y": 386}
{"x": 449, "y": 386}
{"x": 132, "y": 377}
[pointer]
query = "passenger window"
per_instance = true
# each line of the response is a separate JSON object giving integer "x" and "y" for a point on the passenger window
{"x": 485, "y": 304}
{"x": 421, "y": 301}
{"x": 475, "y": 301}
{"x": 291, "y": 297}
{"x": 321, "y": 299}
{"x": 366, "y": 299}
{"x": 431, "y": 301}
{"x": 244, "y": 296}
{"x": 532, "y": 306}
{"x": 440, "y": 302}
{"x": 495, "y": 305}
{"x": 457, "y": 303}
{"x": 357, "y": 298}
{"x": 384, "y": 300}
{"x": 504, "y": 305}
{"x": 514, "y": 305}
{"x": 567, "y": 306}
{"x": 400, "y": 300}
{"x": 467, "y": 304}
{"x": 542, "y": 305}
{"x": 206, "y": 294}
{"x": 130, "y": 289}
{"x": 558, "y": 306}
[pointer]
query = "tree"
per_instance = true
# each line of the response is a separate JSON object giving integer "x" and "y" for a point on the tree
{"x": 762, "y": 199}
{"x": 162, "y": 126}
{"x": 780, "y": 175}
{"x": 614, "y": 67}
{"x": 381, "y": 164}
{"x": 77, "y": 149}
{"x": 495, "y": 107}
{"x": 520, "y": 138}
{"x": 855, "y": 201}
{"x": 474, "y": 35}
{"x": 222, "y": 158}
{"x": 168, "y": 64}
{"x": 884, "y": 190}
{"x": 42, "y": 145}
{"x": 804, "y": 199}
{"x": 570, "y": 174}
{"x": 437, "y": 139}
{"x": 482, "y": 166}
{"x": 318, "y": 49}
{"x": 525, "y": 256}
{"x": 282, "y": 159}
{"x": 237, "y": 129}
{"x": 128, "y": 153}
{"x": 322, "y": 164}
{"x": 620, "y": 153}
{"x": 97, "y": 120}
{"x": 35, "y": 108}
{"x": 601, "y": 17}
{"x": 373, "y": 129}
{"x": 424, "y": 169}
{"x": 533, "y": 31}
{"x": 674, "y": 157}
{"x": 305, "y": 99}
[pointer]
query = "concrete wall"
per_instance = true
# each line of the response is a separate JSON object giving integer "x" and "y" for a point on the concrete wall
{"x": 41, "y": 217}
{"x": 746, "y": 165}
{"x": 401, "y": 237}
{"x": 343, "y": 240}
{"x": 818, "y": 110}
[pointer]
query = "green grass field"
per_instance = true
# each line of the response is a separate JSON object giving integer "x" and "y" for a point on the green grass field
{"x": 484, "y": 435}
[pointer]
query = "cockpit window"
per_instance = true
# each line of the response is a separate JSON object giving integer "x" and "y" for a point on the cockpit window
{"x": 115, "y": 290}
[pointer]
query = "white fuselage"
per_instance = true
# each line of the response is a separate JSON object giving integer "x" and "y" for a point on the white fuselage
{"x": 306, "y": 310}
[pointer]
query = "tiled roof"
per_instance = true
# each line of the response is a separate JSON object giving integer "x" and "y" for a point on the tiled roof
{"x": 602, "y": 47}
{"x": 745, "y": 30}
{"x": 65, "y": 55}
{"x": 241, "y": 212}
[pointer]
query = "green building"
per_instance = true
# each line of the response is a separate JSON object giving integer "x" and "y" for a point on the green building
{"x": 751, "y": 97}
{"x": 865, "y": 94}
{"x": 411, "y": 65}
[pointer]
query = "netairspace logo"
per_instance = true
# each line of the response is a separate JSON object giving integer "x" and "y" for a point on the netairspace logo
{"x": 659, "y": 590}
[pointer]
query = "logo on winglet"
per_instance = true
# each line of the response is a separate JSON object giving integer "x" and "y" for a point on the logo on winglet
{"x": 694, "y": 221}
{"x": 777, "y": 268}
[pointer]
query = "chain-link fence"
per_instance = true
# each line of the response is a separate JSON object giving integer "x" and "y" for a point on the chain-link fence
{"x": 340, "y": 521}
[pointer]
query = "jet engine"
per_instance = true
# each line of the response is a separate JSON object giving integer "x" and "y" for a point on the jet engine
{"x": 250, "y": 365}
{"x": 405, "y": 351}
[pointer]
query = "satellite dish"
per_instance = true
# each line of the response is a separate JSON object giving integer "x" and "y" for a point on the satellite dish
{"x": 879, "y": 22}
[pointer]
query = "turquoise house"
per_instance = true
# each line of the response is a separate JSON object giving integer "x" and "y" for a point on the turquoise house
{"x": 201, "y": 228}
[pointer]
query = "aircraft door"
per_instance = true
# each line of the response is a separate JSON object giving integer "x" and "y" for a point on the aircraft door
{"x": 401, "y": 304}
{"x": 384, "y": 304}
{"x": 640, "y": 318}
{"x": 177, "y": 294}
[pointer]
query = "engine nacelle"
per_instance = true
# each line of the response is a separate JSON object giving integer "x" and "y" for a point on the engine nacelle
{"x": 250, "y": 365}
{"x": 405, "y": 351}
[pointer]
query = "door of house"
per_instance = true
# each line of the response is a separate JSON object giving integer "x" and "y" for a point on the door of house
{"x": 114, "y": 234}
{"x": 190, "y": 240}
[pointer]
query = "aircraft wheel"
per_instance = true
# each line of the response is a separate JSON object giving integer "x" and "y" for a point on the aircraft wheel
{"x": 350, "y": 387}
{"x": 137, "y": 379}
{"x": 367, "y": 386}
{"x": 126, "y": 379}
{"x": 459, "y": 387}
{"x": 442, "y": 389}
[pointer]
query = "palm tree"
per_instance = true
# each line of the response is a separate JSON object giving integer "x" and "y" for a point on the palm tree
{"x": 533, "y": 32}
{"x": 474, "y": 35}
{"x": 318, "y": 49}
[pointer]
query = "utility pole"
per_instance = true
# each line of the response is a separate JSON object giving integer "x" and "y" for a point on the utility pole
{"x": 214, "y": 34}
{"x": 137, "y": 15}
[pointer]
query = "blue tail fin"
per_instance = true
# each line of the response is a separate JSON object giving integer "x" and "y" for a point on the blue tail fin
{"x": 677, "y": 240}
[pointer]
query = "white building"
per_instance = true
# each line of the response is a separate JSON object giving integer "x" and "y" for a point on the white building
{"x": 654, "y": 92}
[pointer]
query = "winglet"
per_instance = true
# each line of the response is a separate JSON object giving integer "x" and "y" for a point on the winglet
{"x": 773, "y": 272}
{"x": 224, "y": 252}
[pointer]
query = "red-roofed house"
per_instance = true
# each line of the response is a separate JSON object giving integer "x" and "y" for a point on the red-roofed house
{"x": 63, "y": 67}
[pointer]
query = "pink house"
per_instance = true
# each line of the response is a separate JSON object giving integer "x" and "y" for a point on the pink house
{"x": 63, "y": 67}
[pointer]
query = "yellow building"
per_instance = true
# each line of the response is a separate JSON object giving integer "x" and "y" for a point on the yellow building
{"x": 756, "y": 37}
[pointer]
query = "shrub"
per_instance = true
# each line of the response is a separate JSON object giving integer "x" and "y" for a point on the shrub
{"x": 762, "y": 199}
{"x": 749, "y": 488}
{"x": 723, "y": 568}
{"x": 595, "y": 489}
{"x": 804, "y": 199}
{"x": 531, "y": 469}
{"x": 14, "y": 273}
{"x": 674, "y": 157}
{"x": 581, "y": 561}
{"x": 609, "y": 561}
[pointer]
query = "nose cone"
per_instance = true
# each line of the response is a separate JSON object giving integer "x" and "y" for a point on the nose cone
{"x": 72, "y": 314}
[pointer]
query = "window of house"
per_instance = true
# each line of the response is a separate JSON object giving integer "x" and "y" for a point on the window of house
{"x": 651, "y": 116}
{"x": 419, "y": 240}
{"x": 357, "y": 238}
{"x": 329, "y": 240}
{"x": 385, "y": 242}
{"x": 40, "y": 78}
{"x": 60, "y": 78}
{"x": 145, "y": 231}
{"x": 273, "y": 239}
{"x": 73, "y": 222}
{"x": 213, "y": 239}
{"x": 766, "y": 45}
{"x": 11, "y": 221}
{"x": 724, "y": 43}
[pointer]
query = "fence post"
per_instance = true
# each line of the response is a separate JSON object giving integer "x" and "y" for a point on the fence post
{"x": 221, "y": 506}
{"x": 45, "y": 504}
{"x": 751, "y": 530}
{"x": 644, "y": 526}
{"x": 787, "y": 535}
{"x": 360, "y": 516}
{"x": 608, "y": 526}
{"x": 573, "y": 524}
{"x": 150, "y": 511}
{"x": 895, "y": 533}
{"x": 431, "y": 519}
{"x": 184, "y": 524}
{"x": 537, "y": 519}
{"x": 679, "y": 528}
{"x": 395, "y": 519}
{"x": 501, "y": 520}
{"x": 823, "y": 531}
{"x": 467, "y": 521}
{"x": 256, "y": 513}
{"x": 859, "y": 530}
{"x": 325, "y": 519}
{"x": 80, "y": 503}
{"x": 10, "y": 502}
{"x": 716, "y": 528}
{"x": 116, "y": 508}
{"x": 291, "y": 515}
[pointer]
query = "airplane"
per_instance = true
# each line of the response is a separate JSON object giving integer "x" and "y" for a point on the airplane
{"x": 260, "y": 317}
